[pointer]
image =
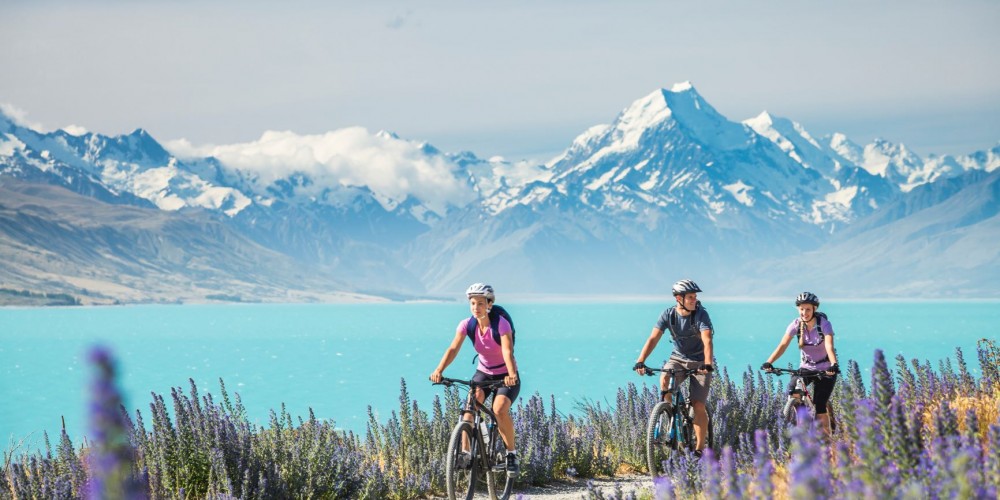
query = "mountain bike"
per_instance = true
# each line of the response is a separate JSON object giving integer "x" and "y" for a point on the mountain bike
{"x": 476, "y": 452}
{"x": 800, "y": 397}
{"x": 671, "y": 423}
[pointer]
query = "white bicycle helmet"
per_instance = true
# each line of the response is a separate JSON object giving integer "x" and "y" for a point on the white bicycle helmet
{"x": 480, "y": 290}
{"x": 807, "y": 298}
{"x": 685, "y": 286}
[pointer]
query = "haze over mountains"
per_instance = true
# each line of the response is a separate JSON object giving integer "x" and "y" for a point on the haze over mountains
{"x": 670, "y": 188}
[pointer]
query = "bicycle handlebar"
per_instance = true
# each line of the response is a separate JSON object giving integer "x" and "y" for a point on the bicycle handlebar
{"x": 672, "y": 371}
{"x": 484, "y": 384}
{"x": 801, "y": 372}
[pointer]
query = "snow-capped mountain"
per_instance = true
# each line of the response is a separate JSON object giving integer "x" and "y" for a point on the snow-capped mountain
{"x": 855, "y": 191}
{"x": 670, "y": 186}
{"x": 670, "y": 178}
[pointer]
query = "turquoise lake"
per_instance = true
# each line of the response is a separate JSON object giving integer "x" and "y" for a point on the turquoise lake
{"x": 340, "y": 358}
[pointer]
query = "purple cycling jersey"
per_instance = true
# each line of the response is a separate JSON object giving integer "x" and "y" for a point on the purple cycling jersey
{"x": 490, "y": 353}
{"x": 813, "y": 353}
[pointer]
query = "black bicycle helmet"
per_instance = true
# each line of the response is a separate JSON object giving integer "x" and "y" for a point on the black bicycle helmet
{"x": 685, "y": 286}
{"x": 807, "y": 298}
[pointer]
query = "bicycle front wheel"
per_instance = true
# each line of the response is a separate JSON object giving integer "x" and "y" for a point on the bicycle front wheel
{"x": 499, "y": 482}
{"x": 660, "y": 437}
{"x": 460, "y": 463}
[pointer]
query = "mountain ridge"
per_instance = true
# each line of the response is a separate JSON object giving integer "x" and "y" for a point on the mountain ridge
{"x": 670, "y": 177}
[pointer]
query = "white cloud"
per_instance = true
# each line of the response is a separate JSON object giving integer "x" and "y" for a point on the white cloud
{"x": 391, "y": 167}
{"x": 19, "y": 116}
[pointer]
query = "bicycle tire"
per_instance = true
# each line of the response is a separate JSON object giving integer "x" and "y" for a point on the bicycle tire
{"x": 687, "y": 441}
{"x": 659, "y": 443}
{"x": 460, "y": 479}
{"x": 498, "y": 469}
{"x": 792, "y": 413}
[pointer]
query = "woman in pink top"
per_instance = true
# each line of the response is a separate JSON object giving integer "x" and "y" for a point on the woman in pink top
{"x": 815, "y": 339}
{"x": 496, "y": 362}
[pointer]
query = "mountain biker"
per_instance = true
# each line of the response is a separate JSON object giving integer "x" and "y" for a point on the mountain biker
{"x": 496, "y": 362}
{"x": 691, "y": 330}
{"x": 816, "y": 352}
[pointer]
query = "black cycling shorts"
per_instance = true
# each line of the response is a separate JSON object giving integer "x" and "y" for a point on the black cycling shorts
{"x": 510, "y": 392}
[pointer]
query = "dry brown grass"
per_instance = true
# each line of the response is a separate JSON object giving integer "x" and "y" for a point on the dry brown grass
{"x": 986, "y": 408}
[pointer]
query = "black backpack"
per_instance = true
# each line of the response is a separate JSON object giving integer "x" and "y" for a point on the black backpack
{"x": 496, "y": 312}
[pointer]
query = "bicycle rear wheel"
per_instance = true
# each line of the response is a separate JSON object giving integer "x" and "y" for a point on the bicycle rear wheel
{"x": 660, "y": 440}
{"x": 460, "y": 469}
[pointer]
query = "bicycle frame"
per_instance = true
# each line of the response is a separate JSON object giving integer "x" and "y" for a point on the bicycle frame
{"x": 800, "y": 387}
{"x": 678, "y": 405}
{"x": 476, "y": 409}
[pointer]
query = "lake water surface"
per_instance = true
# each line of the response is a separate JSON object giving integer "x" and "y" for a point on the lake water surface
{"x": 340, "y": 358}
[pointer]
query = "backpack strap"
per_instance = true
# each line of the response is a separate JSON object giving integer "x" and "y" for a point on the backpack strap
{"x": 693, "y": 322}
{"x": 495, "y": 326}
{"x": 470, "y": 329}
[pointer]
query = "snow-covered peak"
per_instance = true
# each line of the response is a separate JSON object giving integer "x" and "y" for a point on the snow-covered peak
{"x": 761, "y": 121}
{"x": 682, "y": 86}
{"x": 75, "y": 130}
{"x": 640, "y": 116}
{"x": 702, "y": 122}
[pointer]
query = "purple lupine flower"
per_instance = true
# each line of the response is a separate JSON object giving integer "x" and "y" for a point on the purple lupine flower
{"x": 810, "y": 477}
{"x": 712, "y": 482}
{"x": 729, "y": 475}
{"x": 901, "y": 447}
{"x": 112, "y": 457}
{"x": 763, "y": 465}
{"x": 882, "y": 386}
{"x": 663, "y": 488}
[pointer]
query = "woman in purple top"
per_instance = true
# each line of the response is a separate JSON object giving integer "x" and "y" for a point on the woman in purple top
{"x": 496, "y": 362}
{"x": 816, "y": 352}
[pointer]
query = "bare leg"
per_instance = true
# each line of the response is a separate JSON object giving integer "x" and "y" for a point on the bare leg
{"x": 505, "y": 424}
{"x": 823, "y": 421}
{"x": 700, "y": 424}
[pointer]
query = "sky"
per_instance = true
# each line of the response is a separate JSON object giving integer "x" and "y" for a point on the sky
{"x": 518, "y": 79}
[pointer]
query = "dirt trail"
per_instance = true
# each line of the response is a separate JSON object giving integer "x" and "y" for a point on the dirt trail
{"x": 578, "y": 490}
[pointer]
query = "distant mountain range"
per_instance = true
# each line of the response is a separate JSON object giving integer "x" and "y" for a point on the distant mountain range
{"x": 669, "y": 189}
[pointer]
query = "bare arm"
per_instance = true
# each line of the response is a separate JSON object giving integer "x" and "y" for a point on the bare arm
{"x": 785, "y": 341}
{"x": 706, "y": 339}
{"x": 829, "y": 350}
{"x": 449, "y": 356}
{"x": 507, "y": 348}
{"x": 647, "y": 348}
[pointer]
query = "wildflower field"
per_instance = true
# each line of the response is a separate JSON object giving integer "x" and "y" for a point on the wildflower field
{"x": 915, "y": 431}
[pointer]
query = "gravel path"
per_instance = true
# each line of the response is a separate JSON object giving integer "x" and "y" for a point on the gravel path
{"x": 577, "y": 490}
